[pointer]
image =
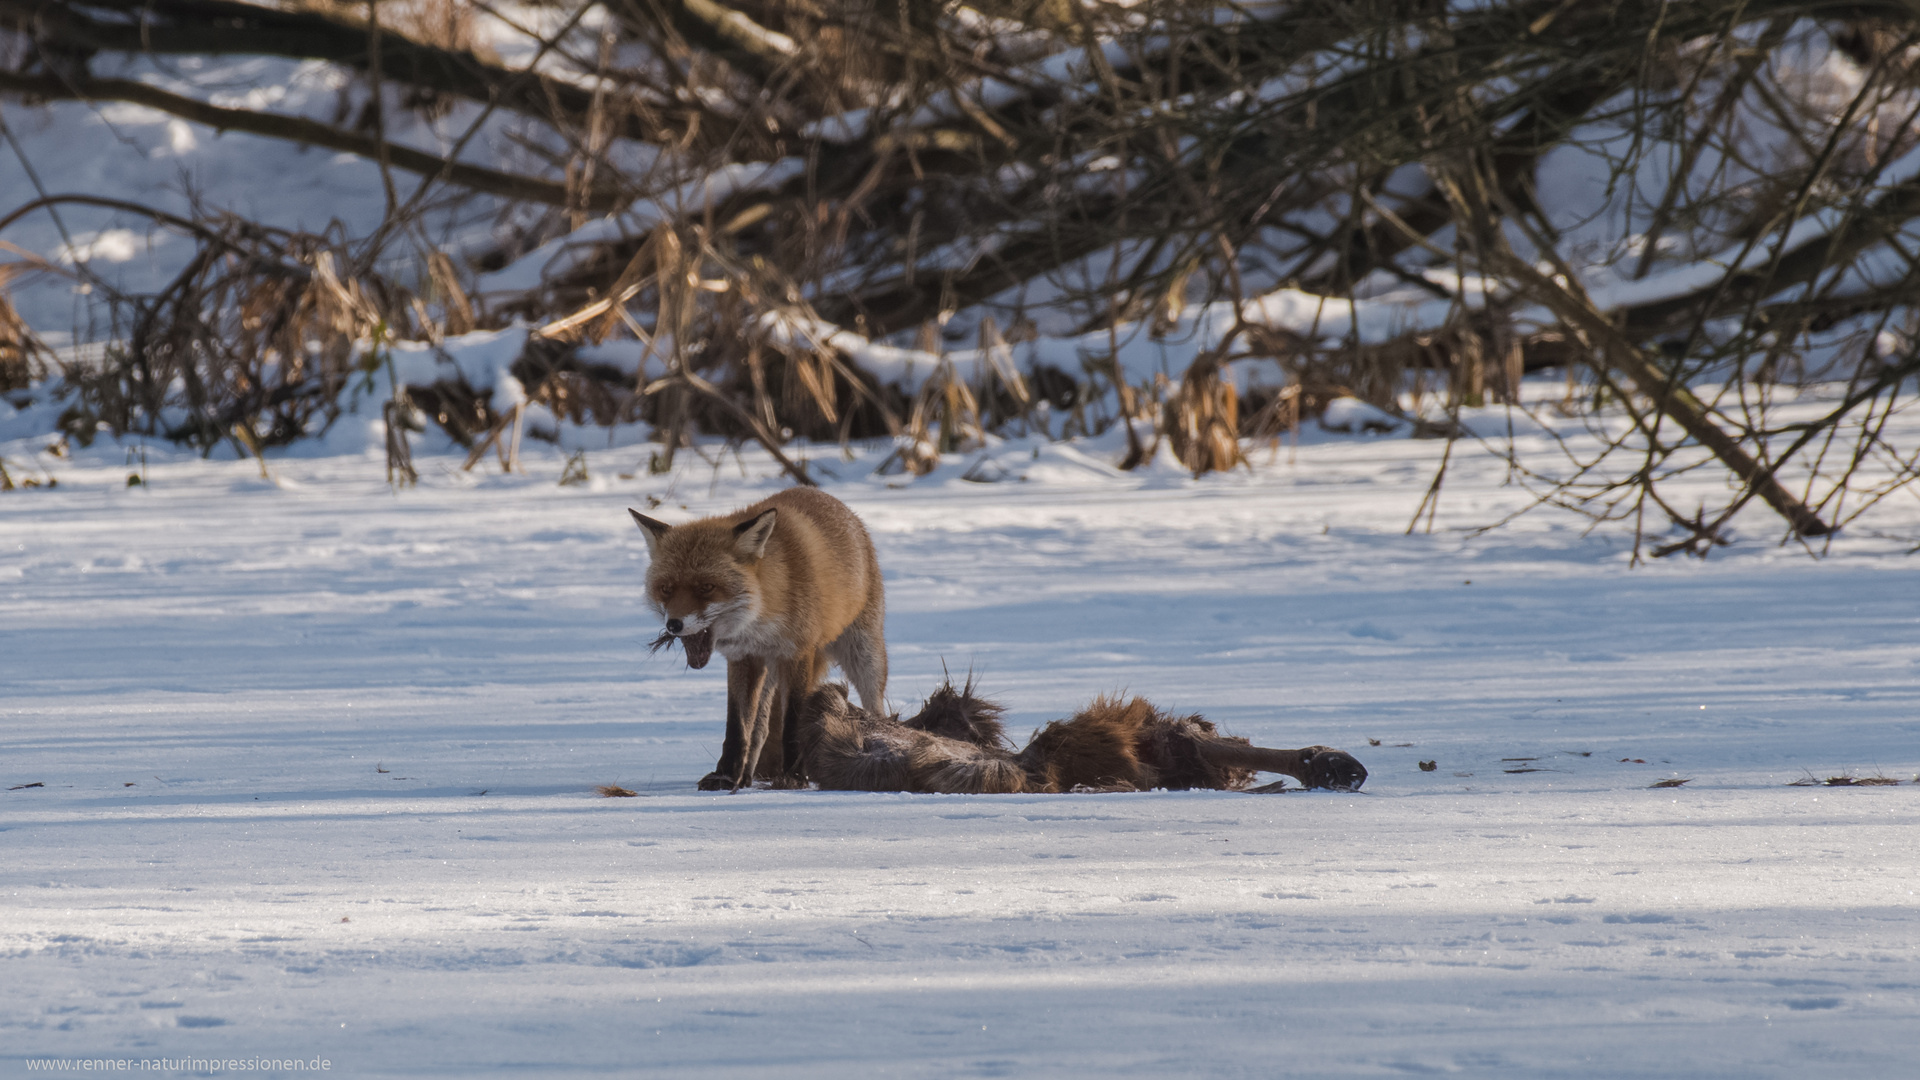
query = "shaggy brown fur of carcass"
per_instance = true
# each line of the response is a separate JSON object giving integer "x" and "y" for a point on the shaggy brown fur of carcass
{"x": 956, "y": 744}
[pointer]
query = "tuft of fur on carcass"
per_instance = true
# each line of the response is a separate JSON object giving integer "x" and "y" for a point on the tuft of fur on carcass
{"x": 961, "y": 714}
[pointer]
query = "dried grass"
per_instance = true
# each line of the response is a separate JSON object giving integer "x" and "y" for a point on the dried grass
{"x": 1201, "y": 419}
{"x": 945, "y": 418}
{"x": 23, "y": 359}
{"x": 255, "y": 342}
{"x": 1844, "y": 780}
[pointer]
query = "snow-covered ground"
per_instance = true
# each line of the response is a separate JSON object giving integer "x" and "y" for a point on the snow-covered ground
{"x": 318, "y": 762}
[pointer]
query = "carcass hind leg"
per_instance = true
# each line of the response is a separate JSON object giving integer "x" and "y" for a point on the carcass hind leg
{"x": 1314, "y": 766}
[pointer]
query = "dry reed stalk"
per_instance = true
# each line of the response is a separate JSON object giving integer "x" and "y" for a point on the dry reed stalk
{"x": 757, "y": 376}
{"x": 916, "y": 451}
{"x": 246, "y": 437}
{"x": 815, "y": 370}
{"x": 400, "y": 471}
{"x": 19, "y": 350}
{"x": 1202, "y": 419}
{"x": 510, "y": 455}
{"x": 1514, "y": 369}
{"x": 22, "y": 356}
{"x": 460, "y": 317}
{"x": 602, "y": 315}
{"x": 944, "y": 418}
{"x": 1000, "y": 362}
{"x": 1279, "y": 416}
{"x": 959, "y": 420}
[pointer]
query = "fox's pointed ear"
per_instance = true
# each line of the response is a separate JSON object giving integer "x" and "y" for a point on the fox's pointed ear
{"x": 750, "y": 537}
{"x": 649, "y": 528}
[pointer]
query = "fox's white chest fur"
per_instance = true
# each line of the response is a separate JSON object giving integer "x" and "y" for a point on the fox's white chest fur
{"x": 743, "y": 632}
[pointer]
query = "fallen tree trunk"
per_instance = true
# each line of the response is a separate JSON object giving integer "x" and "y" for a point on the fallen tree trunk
{"x": 298, "y": 129}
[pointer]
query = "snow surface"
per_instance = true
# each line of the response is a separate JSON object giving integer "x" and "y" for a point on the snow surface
{"x": 318, "y": 763}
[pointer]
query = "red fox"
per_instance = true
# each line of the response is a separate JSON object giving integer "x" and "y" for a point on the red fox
{"x": 780, "y": 589}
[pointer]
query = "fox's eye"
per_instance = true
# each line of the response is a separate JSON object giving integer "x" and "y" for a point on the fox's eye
{"x": 705, "y": 588}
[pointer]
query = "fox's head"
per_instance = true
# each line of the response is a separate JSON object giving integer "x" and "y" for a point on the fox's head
{"x": 700, "y": 580}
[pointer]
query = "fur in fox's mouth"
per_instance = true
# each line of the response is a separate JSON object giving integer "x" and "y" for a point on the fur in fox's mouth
{"x": 699, "y": 647}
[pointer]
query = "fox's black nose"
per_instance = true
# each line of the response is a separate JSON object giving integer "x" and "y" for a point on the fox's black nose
{"x": 674, "y": 626}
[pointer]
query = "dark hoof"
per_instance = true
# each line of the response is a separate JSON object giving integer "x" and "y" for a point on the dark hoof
{"x": 1335, "y": 769}
{"x": 713, "y": 781}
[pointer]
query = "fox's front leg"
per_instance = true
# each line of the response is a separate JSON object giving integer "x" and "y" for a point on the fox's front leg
{"x": 799, "y": 677}
{"x": 759, "y": 729}
{"x": 745, "y": 681}
{"x": 793, "y": 771}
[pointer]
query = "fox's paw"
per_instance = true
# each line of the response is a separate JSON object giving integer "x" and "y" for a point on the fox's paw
{"x": 1334, "y": 769}
{"x": 788, "y": 781}
{"x": 714, "y": 781}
